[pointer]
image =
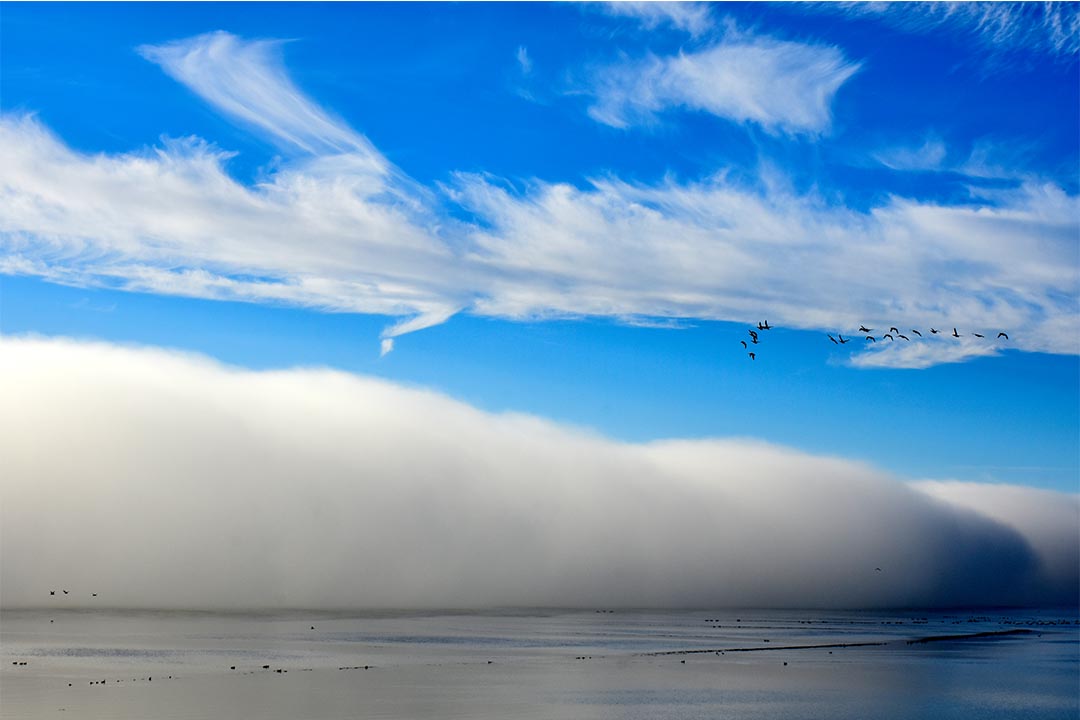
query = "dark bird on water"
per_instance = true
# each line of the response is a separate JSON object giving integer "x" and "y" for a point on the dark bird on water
{"x": 954, "y": 333}
{"x": 917, "y": 332}
{"x": 1003, "y": 335}
{"x": 863, "y": 328}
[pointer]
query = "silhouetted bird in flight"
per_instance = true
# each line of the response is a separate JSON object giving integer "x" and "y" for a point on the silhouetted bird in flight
{"x": 978, "y": 335}
{"x": 905, "y": 337}
{"x": 832, "y": 338}
{"x": 887, "y": 335}
{"x": 916, "y": 332}
{"x": 52, "y": 592}
{"x": 863, "y": 328}
{"x": 1003, "y": 335}
{"x": 871, "y": 338}
{"x": 743, "y": 344}
{"x": 892, "y": 329}
{"x": 933, "y": 331}
{"x": 766, "y": 326}
{"x": 842, "y": 340}
{"x": 752, "y": 334}
{"x": 877, "y": 569}
{"x": 752, "y": 355}
{"x": 65, "y": 592}
{"x": 954, "y": 333}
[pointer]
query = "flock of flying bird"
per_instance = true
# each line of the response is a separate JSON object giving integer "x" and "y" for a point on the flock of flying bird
{"x": 893, "y": 335}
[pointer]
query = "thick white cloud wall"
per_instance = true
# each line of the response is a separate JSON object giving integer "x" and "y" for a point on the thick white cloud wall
{"x": 160, "y": 479}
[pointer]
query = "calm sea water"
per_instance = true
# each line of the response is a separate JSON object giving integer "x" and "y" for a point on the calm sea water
{"x": 576, "y": 665}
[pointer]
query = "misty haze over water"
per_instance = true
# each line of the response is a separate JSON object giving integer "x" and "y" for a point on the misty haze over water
{"x": 550, "y": 665}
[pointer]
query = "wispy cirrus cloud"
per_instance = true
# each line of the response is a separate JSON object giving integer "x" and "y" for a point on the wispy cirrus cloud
{"x": 930, "y": 155}
{"x": 719, "y": 250}
{"x": 1052, "y": 28}
{"x": 782, "y": 86}
{"x": 246, "y": 80}
{"x": 693, "y": 17}
{"x": 174, "y": 222}
{"x": 321, "y": 232}
{"x": 325, "y": 231}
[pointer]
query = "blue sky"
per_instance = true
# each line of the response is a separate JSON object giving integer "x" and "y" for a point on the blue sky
{"x": 576, "y": 211}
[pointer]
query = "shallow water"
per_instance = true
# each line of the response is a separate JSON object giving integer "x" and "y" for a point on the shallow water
{"x": 537, "y": 664}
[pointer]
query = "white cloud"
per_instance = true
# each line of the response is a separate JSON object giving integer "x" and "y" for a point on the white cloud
{"x": 524, "y": 61}
{"x": 1046, "y": 27}
{"x": 719, "y": 251}
{"x": 929, "y": 156}
{"x": 692, "y": 17}
{"x": 1048, "y": 520}
{"x": 246, "y": 80}
{"x": 172, "y": 221}
{"x": 782, "y": 86}
{"x": 320, "y": 233}
{"x": 167, "y": 480}
{"x": 344, "y": 232}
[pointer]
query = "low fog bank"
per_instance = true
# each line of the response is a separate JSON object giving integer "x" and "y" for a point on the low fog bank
{"x": 157, "y": 479}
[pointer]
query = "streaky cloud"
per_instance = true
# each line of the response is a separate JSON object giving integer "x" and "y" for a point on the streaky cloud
{"x": 341, "y": 230}
{"x": 246, "y": 80}
{"x": 693, "y": 17}
{"x": 721, "y": 250}
{"x": 782, "y": 86}
{"x": 928, "y": 156}
{"x": 171, "y": 220}
{"x": 168, "y": 480}
{"x": 1051, "y": 28}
